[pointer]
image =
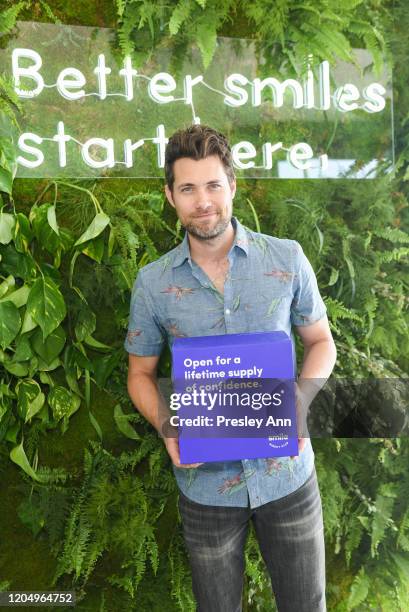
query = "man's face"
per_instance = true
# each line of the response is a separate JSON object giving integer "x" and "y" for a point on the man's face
{"x": 202, "y": 196}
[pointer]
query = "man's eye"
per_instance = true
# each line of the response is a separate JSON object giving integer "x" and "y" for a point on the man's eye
{"x": 186, "y": 189}
{"x": 215, "y": 186}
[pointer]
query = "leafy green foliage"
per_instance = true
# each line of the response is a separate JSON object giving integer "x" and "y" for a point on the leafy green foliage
{"x": 364, "y": 491}
{"x": 294, "y": 31}
{"x": 367, "y": 532}
{"x": 8, "y": 168}
{"x": 355, "y": 240}
{"x": 9, "y": 16}
{"x": 123, "y": 424}
{"x": 18, "y": 455}
{"x": 74, "y": 254}
{"x": 34, "y": 330}
{"x": 110, "y": 514}
{"x": 9, "y": 102}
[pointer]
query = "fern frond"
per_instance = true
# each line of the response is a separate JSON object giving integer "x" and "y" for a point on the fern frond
{"x": 402, "y": 541}
{"x": 353, "y": 539}
{"x": 359, "y": 590}
{"x": 9, "y": 16}
{"x": 381, "y": 520}
{"x": 394, "y": 255}
{"x": 337, "y": 310}
{"x": 179, "y": 15}
{"x": 49, "y": 12}
{"x": 393, "y": 234}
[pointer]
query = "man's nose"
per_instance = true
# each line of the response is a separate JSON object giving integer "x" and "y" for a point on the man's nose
{"x": 202, "y": 198}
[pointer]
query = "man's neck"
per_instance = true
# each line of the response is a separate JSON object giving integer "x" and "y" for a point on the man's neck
{"x": 212, "y": 250}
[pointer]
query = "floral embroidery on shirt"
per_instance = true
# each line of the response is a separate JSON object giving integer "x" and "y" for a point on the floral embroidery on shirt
{"x": 216, "y": 293}
{"x": 260, "y": 242}
{"x": 272, "y": 466}
{"x": 248, "y": 473}
{"x": 273, "y": 306}
{"x": 191, "y": 475}
{"x": 283, "y": 275}
{"x": 175, "y": 331}
{"x": 178, "y": 291}
{"x": 165, "y": 263}
{"x": 133, "y": 334}
{"x": 219, "y": 323}
{"x": 231, "y": 485}
{"x": 289, "y": 464}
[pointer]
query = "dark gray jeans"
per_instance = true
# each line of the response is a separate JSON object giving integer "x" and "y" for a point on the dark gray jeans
{"x": 291, "y": 539}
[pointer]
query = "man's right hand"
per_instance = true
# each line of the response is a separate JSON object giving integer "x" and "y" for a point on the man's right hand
{"x": 172, "y": 446}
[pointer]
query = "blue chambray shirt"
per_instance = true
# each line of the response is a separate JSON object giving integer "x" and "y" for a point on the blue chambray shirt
{"x": 270, "y": 286}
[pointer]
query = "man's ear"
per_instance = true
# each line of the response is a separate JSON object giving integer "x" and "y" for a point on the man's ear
{"x": 169, "y": 196}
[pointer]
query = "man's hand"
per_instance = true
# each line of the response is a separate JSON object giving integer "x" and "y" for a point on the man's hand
{"x": 172, "y": 446}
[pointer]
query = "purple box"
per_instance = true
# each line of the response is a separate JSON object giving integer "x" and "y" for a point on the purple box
{"x": 234, "y": 396}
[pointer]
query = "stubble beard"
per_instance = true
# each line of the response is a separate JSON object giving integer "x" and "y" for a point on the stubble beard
{"x": 207, "y": 234}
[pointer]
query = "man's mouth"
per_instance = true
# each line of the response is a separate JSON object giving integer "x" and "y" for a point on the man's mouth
{"x": 208, "y": 214}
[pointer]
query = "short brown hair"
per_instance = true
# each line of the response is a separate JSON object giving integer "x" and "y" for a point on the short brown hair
{"x": 197, "y": 142}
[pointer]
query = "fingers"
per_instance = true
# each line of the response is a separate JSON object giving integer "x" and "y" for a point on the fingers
{"x": 172, "y": 446}
{"x": 301, "y": 445}
{"x": 184, "y": 465}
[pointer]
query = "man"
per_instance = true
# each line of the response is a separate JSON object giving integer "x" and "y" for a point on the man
{"x": 225, "y": 279}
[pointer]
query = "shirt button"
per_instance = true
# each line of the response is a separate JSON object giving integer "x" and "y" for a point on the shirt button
{"x": 227, "y": 311}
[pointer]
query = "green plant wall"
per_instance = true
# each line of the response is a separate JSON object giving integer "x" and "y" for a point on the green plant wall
{"x": 89, "y": 499}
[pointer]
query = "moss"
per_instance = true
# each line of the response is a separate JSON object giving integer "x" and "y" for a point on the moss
{"x": 25, "y": 561}
{"x": 339, "y": 579}
{"x": 66, "y": 450}
{"x": 100, "y": 13}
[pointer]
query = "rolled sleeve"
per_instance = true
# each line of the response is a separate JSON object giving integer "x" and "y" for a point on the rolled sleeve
{"x": 307, "y": 306}
{"x": 145, "y": 336}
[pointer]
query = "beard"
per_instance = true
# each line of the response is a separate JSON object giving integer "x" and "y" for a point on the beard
{"x": 207, "y": 233}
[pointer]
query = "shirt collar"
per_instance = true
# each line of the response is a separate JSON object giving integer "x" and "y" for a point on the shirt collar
{"x": 240, "y": 240}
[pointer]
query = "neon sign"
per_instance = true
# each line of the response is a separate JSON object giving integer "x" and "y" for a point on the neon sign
{"x": 97, "y": 102}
